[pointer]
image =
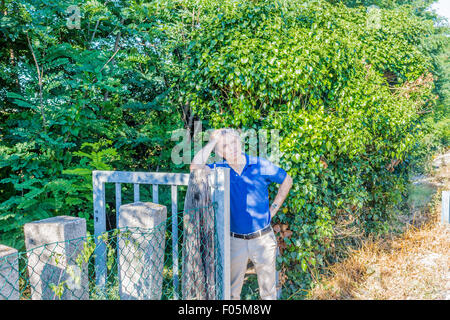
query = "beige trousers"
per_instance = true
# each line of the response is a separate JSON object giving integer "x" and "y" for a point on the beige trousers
{"x": 262, "y": 252}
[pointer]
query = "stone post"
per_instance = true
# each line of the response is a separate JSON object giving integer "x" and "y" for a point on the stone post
{"x": 53, "y": 246}
{"x": 9, "y": 273}
{"x": 445, "y": 214}
{"x": 141, "y": 250}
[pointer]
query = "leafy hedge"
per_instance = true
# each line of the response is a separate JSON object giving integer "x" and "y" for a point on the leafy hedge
{"x": 97, "y": 102}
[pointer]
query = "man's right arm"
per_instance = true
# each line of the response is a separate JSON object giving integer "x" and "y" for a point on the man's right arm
{"x": 199, "y": 161}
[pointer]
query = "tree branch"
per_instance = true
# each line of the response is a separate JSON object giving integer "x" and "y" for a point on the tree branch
{"x": 39, "y": 72}
{"x": 117, "y": 50}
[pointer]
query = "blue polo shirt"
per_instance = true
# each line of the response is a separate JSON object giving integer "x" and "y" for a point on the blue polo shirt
{"x": 249, "y": 194}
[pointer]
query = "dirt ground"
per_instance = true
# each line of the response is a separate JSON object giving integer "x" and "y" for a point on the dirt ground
{"x": 415, "y": 265}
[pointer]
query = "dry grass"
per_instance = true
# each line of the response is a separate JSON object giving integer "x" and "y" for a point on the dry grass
{"x": 415, "y": 265}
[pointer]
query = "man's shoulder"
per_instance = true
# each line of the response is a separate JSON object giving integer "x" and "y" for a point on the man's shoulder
{"x": 260, "y": 160}
{"x": 267, "y": 166}
{"x": 254, "y": 159}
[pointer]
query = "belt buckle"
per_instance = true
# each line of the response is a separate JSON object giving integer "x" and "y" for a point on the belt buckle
{"x": 249, "y": 236}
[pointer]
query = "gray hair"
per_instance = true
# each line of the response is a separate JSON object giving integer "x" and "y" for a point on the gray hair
{"x": 231, "y": 132}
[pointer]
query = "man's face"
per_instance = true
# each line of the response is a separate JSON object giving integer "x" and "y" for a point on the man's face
{"x": 229, "y": 147}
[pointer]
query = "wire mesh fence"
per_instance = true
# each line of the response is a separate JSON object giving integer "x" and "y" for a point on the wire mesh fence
{"x": 140, "y": 264}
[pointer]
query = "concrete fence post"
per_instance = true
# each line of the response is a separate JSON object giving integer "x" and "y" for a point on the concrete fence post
{"x": 53, "y": 246}
{"x": 9, "y": 273}
{"x": 445, "y": 215}
{"x": 141, "y": 251}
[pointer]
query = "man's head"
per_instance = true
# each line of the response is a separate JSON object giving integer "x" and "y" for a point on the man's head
{"x": 228, "y": 145}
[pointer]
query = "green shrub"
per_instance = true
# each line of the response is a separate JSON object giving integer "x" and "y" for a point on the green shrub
{"x": 346, "y": 96}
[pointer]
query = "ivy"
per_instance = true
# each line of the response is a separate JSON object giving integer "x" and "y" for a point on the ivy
{"x": 340, "y": 94}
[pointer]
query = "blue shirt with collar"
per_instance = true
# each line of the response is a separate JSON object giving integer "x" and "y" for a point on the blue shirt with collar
{"x": 249, "y": 194}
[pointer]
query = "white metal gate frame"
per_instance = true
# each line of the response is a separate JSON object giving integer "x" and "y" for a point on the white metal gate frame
{"x": 219, "y": 178}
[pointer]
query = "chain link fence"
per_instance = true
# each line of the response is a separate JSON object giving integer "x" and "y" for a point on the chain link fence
{"x": 139, "y": 265}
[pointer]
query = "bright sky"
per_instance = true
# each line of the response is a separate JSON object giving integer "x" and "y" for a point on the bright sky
{"x": 442, "y": 7}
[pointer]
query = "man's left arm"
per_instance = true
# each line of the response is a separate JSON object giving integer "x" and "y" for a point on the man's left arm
{"x": 281, "y": 195}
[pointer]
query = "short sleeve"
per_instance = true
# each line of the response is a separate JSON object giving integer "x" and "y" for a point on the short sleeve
{"x": 272, "y": 172}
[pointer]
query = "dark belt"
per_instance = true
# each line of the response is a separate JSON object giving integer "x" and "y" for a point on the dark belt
{"x": 252, "y": 235}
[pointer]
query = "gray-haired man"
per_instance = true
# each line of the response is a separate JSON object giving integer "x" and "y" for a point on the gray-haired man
{"x": 252, "y": 236}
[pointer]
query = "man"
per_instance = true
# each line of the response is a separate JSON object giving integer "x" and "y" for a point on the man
{"x": 252, "y": 236}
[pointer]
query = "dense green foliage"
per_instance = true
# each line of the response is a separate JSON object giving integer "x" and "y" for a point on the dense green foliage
{"x": 97, "y": 102}
{"x": 347, "y": 97}
{"x": 358, "y": 95}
